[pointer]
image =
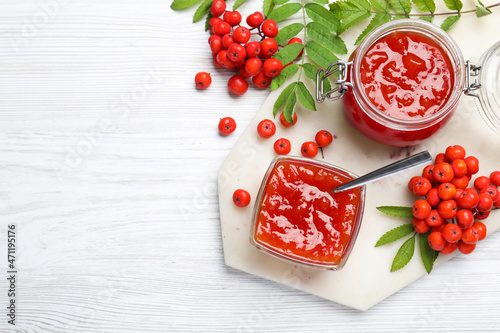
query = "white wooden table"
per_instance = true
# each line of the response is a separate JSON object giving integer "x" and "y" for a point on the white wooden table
{"x": 108, "y": 161}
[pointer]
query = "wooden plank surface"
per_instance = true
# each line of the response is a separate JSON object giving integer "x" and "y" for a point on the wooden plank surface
{"x": 108, "y": 161}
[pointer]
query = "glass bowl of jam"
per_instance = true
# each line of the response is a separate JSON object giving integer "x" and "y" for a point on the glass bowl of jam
{"x": 403, "y": 83}
{"x": 298, "y": 218}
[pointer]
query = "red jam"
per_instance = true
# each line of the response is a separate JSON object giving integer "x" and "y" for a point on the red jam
{"x": 299, "y": 216}
{"x": 406, "y": 75}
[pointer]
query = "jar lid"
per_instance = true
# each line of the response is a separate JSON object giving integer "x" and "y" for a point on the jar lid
{"x": 489, "y": 93}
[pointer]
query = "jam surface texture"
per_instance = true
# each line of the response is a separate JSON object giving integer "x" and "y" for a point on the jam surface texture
{"x": 406, "y": 75}
{"x": 301, "y": 218}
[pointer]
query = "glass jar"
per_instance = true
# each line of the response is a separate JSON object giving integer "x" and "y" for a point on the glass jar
{"x": 387, "y": 129}
{"x": 299, "y": 219}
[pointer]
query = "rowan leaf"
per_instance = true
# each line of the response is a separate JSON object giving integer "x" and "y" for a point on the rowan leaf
{"x": 283, "y": 97}
{"x": 322, "y": 15}
{"x": 320, "y": 34}
{"x": 289, "y": 53}
{"x": 277, "y": 82}
{"x": 285, "y": 73}
{"x": 267, "y": 7}
{"x": 323, "y": 2}
{"x": 182, "y": 4}
{"x": 402, "y": 7}
{"x": 404, "y": 255}
{"x": 349, "y": 14}
{"x": 320, "y": 55}
{"x": 238, "y": 3}
{"x": 202, "y": 10}
{"x": 482, "y": 11}
{"x": 378, "y": 19}
{"x": 454, "y": 5}
{"x": 282, "y": 12}
{"x": 289, "y": 111}
{"x": 305, "y": 97}
{"x": 310, "y": 70}
{"x": 288, "y": 32}
{"x": 280, "y": 2}
{"x": 382, "y": 5}
{"x": 427, "y": 254}
{"x": 395, "y": 234}
{"x": 427, "y": 6}
{"x": 449, "y": 22}
{"x": 397, "y": 211}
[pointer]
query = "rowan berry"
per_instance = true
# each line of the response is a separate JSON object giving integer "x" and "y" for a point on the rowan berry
{"x": 436, "y": 240}
{"x": 237, "y": 85}
{"x": 216, "y": 62}
{"x": 236, "y": 52}
{"x": 432, "y": 197}
{"x": 232, "y": 17}
{"x": 272, "y": 67}
{"x": 466, "y": 248}
{"x": 443, "y": 172}
{"x": 218, "y": 7}
{"x": 448, "y": 209}
{"x": 227, "y": 41}
{"x": 253, "y": 49}
{"x": 269, "y": 28}
{"x": 485, "y": 202}
{"x": 266, "y": 128}
{"x": 428, "y": 173}
{"x": 460, "y": 182}
{"x": 411, "y": 182}
{"x": 469, "y": 198}
{"x": 227, "y": 125}
{"x": 323, "y": 138}
{"x": 482, "y": 215}
{"x": 255, "y": 19}
{"x": 420, "y": 226}
{"x": 439, "y": 228}
{"x": 241, "y": 35}
{"x": 470, "y": 235}
{"x": 449, "y": 248}
{"x": 495, "y": 178}
{"x": 215, "y": 43}
{"x": 241, "y": 198}
{"x": 459, "y": 167}
{"x": 481, "y": 181}
{"x": 452, "y": 233}
{"x": 296, "y": 40}
{"x": 434, "y": 219}
{"x": 421, "y": 209}
{"x": 202, "y": 80}
{"x": 492, "y": 191}
{"x": 282, "y": 146}
{"x": 221, "y": 28}
{"x": 458, "y": 194}
{"x": 253, "y": 66}
{"x": 421, "y": 186}
{"x": 454, "y": 153}
{"x": 439, "y": 158}
{"x": 447, "y": 191}
{"x": 464, "y": 218}
{"x": 223, "y": 59}
{"x": 309, "y": 149}
{"x": 472, "y": 165}
{"x": 261, "y": 80}
{"x": 268, "y": 47}
{"x": 212, "y": 22}
{"x": 285, "y": 122}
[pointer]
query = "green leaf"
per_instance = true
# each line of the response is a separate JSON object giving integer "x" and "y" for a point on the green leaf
{"x": 289, "y": 111}
{"x": 402, "y": 7}
{"x": 320, "y": 34}
{"x": 322, "y": 15}
{"x": 280, "y": 2}
{"x": 181, "y": 4}
{"x": 378, "y": 19}
{"x": 290, "y": 70}
{"x": 395, "y": 234}
{"x": 427, "y": 6}
{"x": 364, "y": 4}
{"x": 202, "y": 10}
{"x": 283, "y": 97}
{"x": 277, "y": 82}
{"x": 238, "y": 3}
{"x": 288, "y": 32}
{"x": 427, "y": 254}
{"x": 285, "y": 73}
{"x": 310, "y": 70}
{"x": 382, "y": 5}
{"x": 454, "y": 4}
{"x": 481, "y": 11}
{"x": 449, "y": 22}
{"x": 404, "y": 255}
{"x": 323, "y": 2}
{"x": 288, "y": 53}
{"x": 305, "y": 97}
{"x": 282, "y": 12}
{"x": 349, "y": 14}
{"x": 267, "y": 7}
{"x": 320, "y": 55}
{"x": 397, "y": 211}
{"x": 427, "y": 18}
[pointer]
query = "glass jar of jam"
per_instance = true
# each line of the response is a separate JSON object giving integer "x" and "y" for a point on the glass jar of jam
{"x": 403, "y": 83}
{"x": 298, "y": 218}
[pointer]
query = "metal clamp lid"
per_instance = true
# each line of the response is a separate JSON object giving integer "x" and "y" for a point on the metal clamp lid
{"x": 471, "y": 69}
{"x": 342, "y": 87}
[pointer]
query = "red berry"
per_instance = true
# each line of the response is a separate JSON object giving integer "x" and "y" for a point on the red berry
{"x": 218, "y": 7}
{"x": 255, "y": 19}
{"x": 233, "y": 18}
{"x": 492, "y": 191}
{"x": 443, "y": 172}
{"x": 227, "y": 41}
{"x": 323, "y": 138}
{"x": 221, "y": 28}
{"x": 428, "y": 173}
{"x": 495, "y": 178}
{"x": 309, "y": 149}
{"x": 466, "y": 248}
{"x": 237, "y": 85}
{"x": 465, "y": 218}
{"x": 434, "y": 219}
{"x": 272, "y": 67}
{"x": 253, "y": 49}
{"x": 482, "y": 215}
{"x": 236, "y": 52}
{"x": 460, "y": 182}
{"x": 439, "y": 158}
{"x": 439, "y": 228}
{"x": 436, "y": 240}
{"x": 420, "y": 226}
{"x": 212, "y": 22}
{"x": 432, "y": 197}
{"x": 458, "y": 194}
{"x": 261, "y": 80}
{"x": 472, "y": 165}
{"x": 454, "y": 153}
{"x": 481, "y": 230}
{"x": 447, "y": 209}
{"x": 447, "y": 191}
{"x": 421, "y": 186}
{"x": 411, "y": 183}
{"x": 202, "y": 80}
{"x": 269, "y": 28}
{"x": 480, "y": 182}
{"x": 485, "y": 203}
{"x": 253, "y": 66}
{"x": 449, "y": 248}
{"x": 459, "y": 167}
{"x": 470, "y": 235}
{"x": 215, "y": 43}
{"x": 268, "y": 47}
{"x": 452, "y": 233}
{"x": 284, "y": 122}
{"x": 266, "y": 128}
{"x": 469, "y": 198}
{"x": 241, "y": 198}
{"x": 241, "y": 35}
{"x": 224, "y": 60}
{"x": 421, "y": 209}
{"x": 227, "y": 125}
{"x": 282, "y": 146}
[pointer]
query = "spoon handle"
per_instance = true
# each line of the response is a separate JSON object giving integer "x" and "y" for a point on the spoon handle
{"x": 388, "y": 170}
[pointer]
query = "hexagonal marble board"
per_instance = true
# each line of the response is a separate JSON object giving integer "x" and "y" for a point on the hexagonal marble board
{"x": 366, "y": 279}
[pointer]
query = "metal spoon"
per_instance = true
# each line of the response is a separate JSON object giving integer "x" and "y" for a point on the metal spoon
{"x": 388, "y": 170}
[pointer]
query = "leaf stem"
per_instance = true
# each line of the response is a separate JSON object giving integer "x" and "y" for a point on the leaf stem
{"x": 436, "y": 14}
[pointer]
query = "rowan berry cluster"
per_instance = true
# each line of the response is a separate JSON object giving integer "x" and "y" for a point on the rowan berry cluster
{"x": 451, "y": 210}
{"x": 234, "y": 48}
